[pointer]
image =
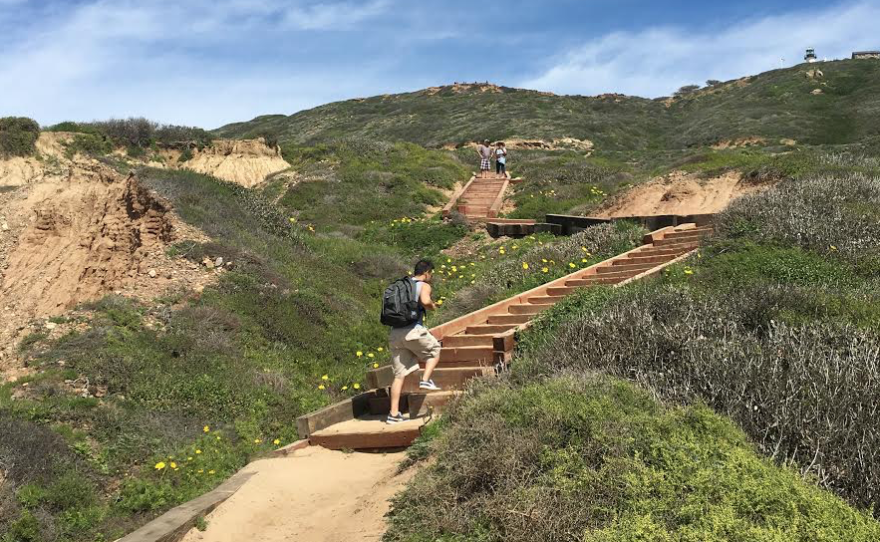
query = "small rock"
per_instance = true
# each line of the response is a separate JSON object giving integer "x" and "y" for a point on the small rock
{"x": 4, "y": 226}
{"x": 208, "y": 263}
{"x": 218, "y": 262}
{"x": 817, "y": 92}
{"x": 152, "y": 273}
{"x": 169, "y": 276}
{"x": 51, "y": 325}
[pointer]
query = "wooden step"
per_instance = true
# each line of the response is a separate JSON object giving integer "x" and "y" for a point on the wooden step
{"x": 466, "y": 353}
{"x": 486, "y": 329}
{"x": 467, "y": 340}
{"x": 630, "y": 260}
{"x": 659, "y": 252}
{"x": 594, "y": 281}
{"x": 503, "y": 319}
{"x": 561, "y": 291}
{"x": 367, "y": 433}
{"x": 526, "y": 309}
{"x": 677, "y": 243}
{"x": 545, "y": 299}
{"x": 625, "y": 267}
{"x": 422, "y": 404}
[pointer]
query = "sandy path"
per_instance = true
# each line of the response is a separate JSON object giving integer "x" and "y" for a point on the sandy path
{"x": 315, "y": 495}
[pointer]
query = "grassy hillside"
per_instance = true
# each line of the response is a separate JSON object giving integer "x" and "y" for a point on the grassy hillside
{"x": 773, "y": 105}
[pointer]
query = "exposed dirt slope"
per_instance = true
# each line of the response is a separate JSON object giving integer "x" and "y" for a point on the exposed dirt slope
{"x": 73, "y": 231}
{"x": 316, "y": 495}
{"x": 680, "y": 193}
{"x": 21, "y": 171}
{"x": 245, "y": 162}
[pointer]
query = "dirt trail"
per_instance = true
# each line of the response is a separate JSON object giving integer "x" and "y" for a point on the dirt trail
{"x": 315, "y": 495}
{"x": 680, "y": 193}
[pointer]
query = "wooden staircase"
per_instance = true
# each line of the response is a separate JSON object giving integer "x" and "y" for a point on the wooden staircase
{"x": 481, "y": 344}
{"x": 481, "y": 198}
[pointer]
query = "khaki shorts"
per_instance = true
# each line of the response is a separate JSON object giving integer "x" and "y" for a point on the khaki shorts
{"x": 409, "y": 346}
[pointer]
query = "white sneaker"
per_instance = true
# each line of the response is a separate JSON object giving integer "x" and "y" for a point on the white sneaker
{"x": 428, "y": 385}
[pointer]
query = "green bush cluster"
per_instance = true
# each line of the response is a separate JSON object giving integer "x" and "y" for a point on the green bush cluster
{"x": 593, "y": 458}
{"x": 18, "y": 136}
{"x": 134, "y": 134}
{"x": 353, "y": 182}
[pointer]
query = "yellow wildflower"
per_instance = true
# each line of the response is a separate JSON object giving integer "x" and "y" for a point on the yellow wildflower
{"x": 344, "y": 388}
{"x": 276, "y": 442}
{"x": 359, "y": 354}
{"x": 198, "y": 452}
{"x": 375, "y": 366}
{"x": 325, "y": 377}
{"x": 544, "y": 260}
{"x": 439, "y": 302}
{"x": 206, "y": 429}
{"x": 356, "y": 386}
{"x": 584, "y": 260}
{"x": 201, "y": 471}
{"x": 572, "y": 265}
{"x": 380, "y": 349}
{"x": 257, "y": 441}
{"x": 502, "y": 251}
{"x": 189, "y": 458}
{"x": 525, "y": 265}
{"x": 173, "y": 465}
{"x": 160, "y": 465}
{"x": 545, "y": 269}
{"x": 211, "y": 472}
{"x": 448, "y": 260}
{"x": 322, "y": 387}
{"x": 833, "y": 248}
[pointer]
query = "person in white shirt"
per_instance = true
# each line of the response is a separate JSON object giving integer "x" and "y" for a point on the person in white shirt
{"x": 501, "y": 159}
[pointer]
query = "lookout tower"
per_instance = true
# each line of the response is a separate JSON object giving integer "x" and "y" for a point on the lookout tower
{"x": 811, "y": 56}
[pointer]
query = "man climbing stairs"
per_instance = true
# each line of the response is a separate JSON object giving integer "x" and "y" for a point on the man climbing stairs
{"x": 482, "y": 343}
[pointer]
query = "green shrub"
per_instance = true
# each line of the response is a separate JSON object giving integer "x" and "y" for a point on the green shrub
{"x": 18, "y": 136}
{"x": 596, "y": 459}
{"x": 825, "y": 214}
{"x": 731, "y": 350}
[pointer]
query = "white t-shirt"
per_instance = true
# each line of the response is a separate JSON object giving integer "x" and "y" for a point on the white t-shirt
{"x": 501, "y": 156}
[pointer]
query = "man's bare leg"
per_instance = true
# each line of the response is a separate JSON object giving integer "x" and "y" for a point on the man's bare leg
{"x": 430, "y": 365}
{"x": 396, "y": 389}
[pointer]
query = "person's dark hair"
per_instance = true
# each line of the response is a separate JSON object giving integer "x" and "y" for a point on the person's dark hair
{"x": 423, "y": 267}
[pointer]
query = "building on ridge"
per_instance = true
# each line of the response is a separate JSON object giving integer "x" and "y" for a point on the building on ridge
{"x": 862, "y": 55}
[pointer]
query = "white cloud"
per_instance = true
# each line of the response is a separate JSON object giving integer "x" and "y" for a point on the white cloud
{"x": 336, "y": 16}
{"x": 168, "y": 60}
{"x": 657, "y": 61}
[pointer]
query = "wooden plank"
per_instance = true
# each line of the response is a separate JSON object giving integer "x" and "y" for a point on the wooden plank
{"x": 454, "y": 199}
{"x": 344, "y": 410}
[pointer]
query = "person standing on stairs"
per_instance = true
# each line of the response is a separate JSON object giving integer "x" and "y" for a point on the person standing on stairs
{"x": 414, "y": 343}
{"x": 485, "y": 152}
{"x": 501, "y": 159}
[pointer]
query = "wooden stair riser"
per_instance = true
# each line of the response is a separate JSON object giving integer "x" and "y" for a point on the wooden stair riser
{"x": 485, "y": 329}
{"x": 467, "y": 340}
{"x": 631, "y": 260}
{"x": 560, "y": 291}
{"x": 545, "y": 300}
{"x": 614, "y": 269}
{"x": 505, "y": 319}
{"x": 526, "y": 309}
{"x": 581, "y": 283}
{"x": 467, "y": 353}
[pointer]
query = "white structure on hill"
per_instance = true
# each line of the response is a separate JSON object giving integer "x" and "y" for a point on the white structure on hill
{"x": 811, "y": 56}
{"x": 861, "y": 55}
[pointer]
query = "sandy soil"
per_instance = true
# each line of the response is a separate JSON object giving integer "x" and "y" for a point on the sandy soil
{"x": 246, "y": 162}
{"x": 680, "y": 194}
{"x": 315, "y": 495}
{"x": 73, "y": 230}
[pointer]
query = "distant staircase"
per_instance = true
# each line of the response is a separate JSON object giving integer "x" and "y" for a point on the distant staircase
{"x": 481, "y": 344}
{"x": 481, "y": 198}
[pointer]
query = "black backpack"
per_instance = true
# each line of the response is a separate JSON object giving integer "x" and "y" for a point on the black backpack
{"x": 400, "y": 307}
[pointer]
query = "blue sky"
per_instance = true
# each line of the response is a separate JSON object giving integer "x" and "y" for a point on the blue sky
{"x": 207, "y": 63}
